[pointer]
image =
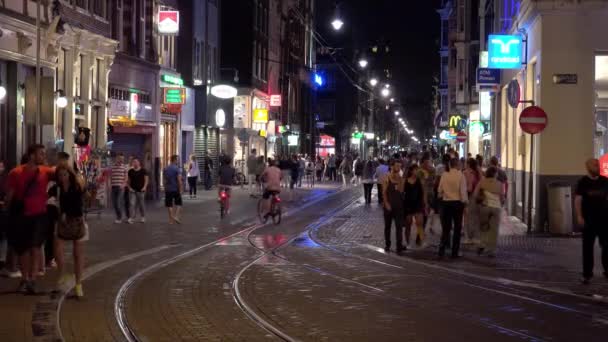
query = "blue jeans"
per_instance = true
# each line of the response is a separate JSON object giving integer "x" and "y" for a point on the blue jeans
{"x": 118, "y": 200}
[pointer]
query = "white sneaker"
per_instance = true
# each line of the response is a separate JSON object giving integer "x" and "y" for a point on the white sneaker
{"x": 118, "y": 221}
{"x": 142, "y": 220}
{"x": 130, "y": 221}
{"x": 10, "y": 274}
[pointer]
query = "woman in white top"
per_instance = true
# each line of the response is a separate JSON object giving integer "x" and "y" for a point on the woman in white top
{"x": 193, "y": 172}
{"x": 453, "y": 192}
{"x": 489, "y": 196}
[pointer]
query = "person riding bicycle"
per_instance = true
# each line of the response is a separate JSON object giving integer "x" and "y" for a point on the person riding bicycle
{"x": 226, "y": 176}
{"x": 271, "y": 177}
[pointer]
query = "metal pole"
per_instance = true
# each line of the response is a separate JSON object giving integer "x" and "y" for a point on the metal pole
{"x": 38, "y": 90}
{"x": 530, "y": 183}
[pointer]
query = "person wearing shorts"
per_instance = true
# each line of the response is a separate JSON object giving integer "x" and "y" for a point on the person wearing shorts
{"x": 27, "y": 197}
{"x": 173, "y": 190}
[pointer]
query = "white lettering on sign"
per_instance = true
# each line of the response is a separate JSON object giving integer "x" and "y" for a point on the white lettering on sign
{"x": 505, "y": 47}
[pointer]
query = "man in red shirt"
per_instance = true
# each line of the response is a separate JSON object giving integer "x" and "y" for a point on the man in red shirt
{"x": 27, "y": 197}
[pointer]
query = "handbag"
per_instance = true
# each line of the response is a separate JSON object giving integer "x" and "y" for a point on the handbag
{"x": 70, "y": 228}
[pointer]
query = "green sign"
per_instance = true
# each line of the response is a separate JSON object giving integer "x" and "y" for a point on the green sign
{"x": 174, "y": 95}
{"x": 172, "y": 79}
{"x": 357, "y": 135}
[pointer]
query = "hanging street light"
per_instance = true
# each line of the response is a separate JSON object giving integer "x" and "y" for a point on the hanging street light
{"x": 392, "y": 99}
{"x": 337, "y": 24}
{"x": 373, "y": 82}
{"x": 385, "y": 92}
{"x": 363, "y": 63}
{"x": 397, "y": 112}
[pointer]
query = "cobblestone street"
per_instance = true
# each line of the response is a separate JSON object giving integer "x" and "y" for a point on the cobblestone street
{"x": 320, "y": 275}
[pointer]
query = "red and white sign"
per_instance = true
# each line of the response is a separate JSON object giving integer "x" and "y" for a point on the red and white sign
{"x": 275, "y": 101}
{"x": 327, "y": 141}
{"x": 604, "y": 165}
{"x": 533, "y": 120}
{"x": 168, "y": 22}
{"x": 461, "y": 136}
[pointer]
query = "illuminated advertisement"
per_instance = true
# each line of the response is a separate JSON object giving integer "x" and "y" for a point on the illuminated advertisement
{"x": 504, "y": 51}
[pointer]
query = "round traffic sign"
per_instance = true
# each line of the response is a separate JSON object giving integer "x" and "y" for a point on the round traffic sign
{"x": 513, "y": 94}
{"x": 461, "y": 136}
{"x": 533, "y": 120}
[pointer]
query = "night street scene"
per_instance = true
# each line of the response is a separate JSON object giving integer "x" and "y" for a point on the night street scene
{"x": 303, "y": 170}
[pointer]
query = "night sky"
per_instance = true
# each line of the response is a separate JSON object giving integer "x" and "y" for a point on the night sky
{"x": 411, "y": 27}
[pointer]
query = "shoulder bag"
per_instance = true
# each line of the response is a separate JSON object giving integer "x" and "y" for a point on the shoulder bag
{"x": 69, "y": 228}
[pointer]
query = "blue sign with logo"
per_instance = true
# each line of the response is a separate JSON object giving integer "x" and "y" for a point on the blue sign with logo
{"x": 486, "y": 76}
{"x": 504, "y": 51}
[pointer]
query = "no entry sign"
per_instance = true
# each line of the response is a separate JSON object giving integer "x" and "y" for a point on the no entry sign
{"x": 461, "y": 136}
{"x": 533, "y": 120}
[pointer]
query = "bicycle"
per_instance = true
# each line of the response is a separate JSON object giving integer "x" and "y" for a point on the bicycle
{"x": 275, "y": 208}
{"x": 224, "y": 201}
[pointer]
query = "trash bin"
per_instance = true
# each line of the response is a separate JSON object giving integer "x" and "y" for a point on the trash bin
{"x": 560, "y": 208}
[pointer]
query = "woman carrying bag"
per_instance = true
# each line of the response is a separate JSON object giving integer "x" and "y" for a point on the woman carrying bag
{"x": 71, "y": 226}
{"x": 488, "y": 195}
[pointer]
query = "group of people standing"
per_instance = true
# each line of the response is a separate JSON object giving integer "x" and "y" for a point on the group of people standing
{"x": 414, "y": 192}
{"x": 42, "y": 207}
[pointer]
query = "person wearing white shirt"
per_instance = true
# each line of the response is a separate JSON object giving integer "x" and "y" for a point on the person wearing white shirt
{"x": 453, "y": 192}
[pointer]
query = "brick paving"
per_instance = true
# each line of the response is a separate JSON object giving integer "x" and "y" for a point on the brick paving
{"x": 201, "y": 224}
{"x": 539, "y": 260}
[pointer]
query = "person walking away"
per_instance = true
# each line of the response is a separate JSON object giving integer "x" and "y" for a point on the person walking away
{"x": 137, "y": 183}
{"x": 489, "y": 196}
{"x": 173, "y": 190}
{"x": 193, "y": 172}
{"x": 71, "y": 203}
{"x": 367, "y": 179}
{"x": 260, "y": 166}
{"x": 26, "y": 198}
{"x": 501, "y": 176}
{"x": 453, "y": 192}
{"x": 473, "y": 175}
{"x": 271, "y": 177}
{"x": 294, "y": 174}
{"x": 252, "y": 163}
{"x": 301, "y": 168}
{"x": 357, "y": 171}
{"x": 284, "y": 166}
{"x": 427, "y": 175}
{"x": 310, "y": 172}
{"x": 381, "y": 172}
{"x": 414, "y": 201}
{"x": 208, "y": 170}
{"x": 118, "y": 181}
{"x": 591, "y": 213}
{"x": 331, "y": 166}
{"x": 345, "y": 170}
{"x": 392, "y": 186}
{"x": 226, "y": 179}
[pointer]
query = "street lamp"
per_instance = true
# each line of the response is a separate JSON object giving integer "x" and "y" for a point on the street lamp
{"x": 373, "y": 82}
{"x": 387, "y": 86}
{"x": 337, "y": 24}
{"x": 60, "y": 100}
{"x": 363, "y": 63}
{"x": 2, "y": 92}
{"x": 397, "y": 112}
{"x": 392, "y": 99}
{"x": 385, "y": 92}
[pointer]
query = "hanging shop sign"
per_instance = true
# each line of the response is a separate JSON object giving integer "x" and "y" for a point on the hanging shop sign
{"x": 369, "y": 136}
{"x": 477, "y": 128}
{"x": 172, "y": 79}
{"x": 220, "y": 117}
{"x": 504, "y": 51}
{"x": 174, "y": 95}
{"x": 327, "y": 141}
{"x": 168, "y": 22}
{"x": 357, "y": 135}
{"x": 488, "y": 77}
{"x": 457, "y": 122}
{"x": 260, "y": 115}
{"x": 275, "y": 100}
{"x": 355, "y": 141}
{"x": 445, "y": 135}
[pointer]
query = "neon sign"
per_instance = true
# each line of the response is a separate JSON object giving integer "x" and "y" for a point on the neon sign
{"x": 504, "y": 51}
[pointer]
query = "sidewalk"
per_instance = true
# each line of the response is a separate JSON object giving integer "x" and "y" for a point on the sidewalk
{"x": 554, "y": 262}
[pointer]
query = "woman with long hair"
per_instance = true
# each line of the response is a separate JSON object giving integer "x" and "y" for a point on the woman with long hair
{"x": 473, "y": 176}
{"x": 70, "y": 191}
{"x": 368, "y": 180}
{"x": 489, "y": 196}
{"x": 414, "y": 204}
